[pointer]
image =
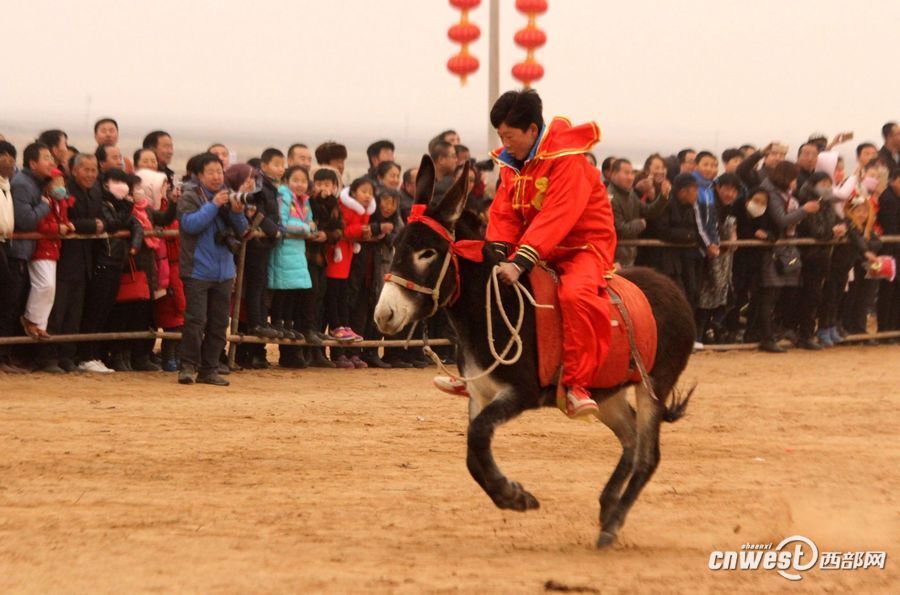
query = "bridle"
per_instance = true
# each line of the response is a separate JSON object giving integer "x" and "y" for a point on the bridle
{"x": 454, "y": 250}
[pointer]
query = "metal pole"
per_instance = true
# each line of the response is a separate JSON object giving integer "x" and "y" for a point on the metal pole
{"x": 493, "y": 69}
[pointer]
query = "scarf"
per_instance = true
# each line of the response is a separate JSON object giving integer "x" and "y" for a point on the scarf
{"x": 140, "y": 213}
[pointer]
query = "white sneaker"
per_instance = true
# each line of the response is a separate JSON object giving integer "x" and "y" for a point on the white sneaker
{"x": 450, "y": 385}
{"x": 698, "y": 346}
{"x": 95, "y": 366}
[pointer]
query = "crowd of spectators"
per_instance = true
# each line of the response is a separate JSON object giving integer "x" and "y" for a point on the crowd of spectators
{"x": 316, "y": 269}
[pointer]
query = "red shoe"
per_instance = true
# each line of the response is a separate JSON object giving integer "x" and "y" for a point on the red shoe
{"x": 580, "y": 404}
{"x": 451, "y": 386}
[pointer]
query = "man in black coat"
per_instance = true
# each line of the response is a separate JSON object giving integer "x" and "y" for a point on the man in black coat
{"x": 678, "y": 224}
{"x": 75, "y": 264}
{"x": 889, "y": 219}
{"x": 889, "y": 154}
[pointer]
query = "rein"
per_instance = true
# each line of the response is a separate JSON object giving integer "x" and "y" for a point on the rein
{"x": 466, "y": 249}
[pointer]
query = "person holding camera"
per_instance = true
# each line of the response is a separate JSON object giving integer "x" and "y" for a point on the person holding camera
{"x": 207, "y": 269}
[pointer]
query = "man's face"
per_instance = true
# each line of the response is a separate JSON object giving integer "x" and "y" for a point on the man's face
{"x": 86, "y": 172}
{"x": 867, "y": 155}
{"x": 688, "y": 195}
{"x": 446, "y": 165}
{"x": 775, "y": 156}
{"x": 518, "y": 142}
{"x": 807, "y": 158}
{"x": 624, "y": 178}
{"x": 410, "y": 187}
{"x": 727, "y": 194}
{"x": 61, "y": 150}
{"x": 113, "y": 159}
{"x": 213, "y": 176}
{"x": 708, "y": 167}
{"x": 383, "y": 155}
{"x": 732, "y": 164}
{"x": 452, "y": 138}
{"x": 221, "y": 151}
{"x": 7, "y": 166}
{"x": 893, "y": 139}
{"x": 107, "y": 135}
{"x": 300, "y": 156}
{"x": 165, "y": 149}
{"x": 44, "y": 164}
{"x": 274, "y": 169}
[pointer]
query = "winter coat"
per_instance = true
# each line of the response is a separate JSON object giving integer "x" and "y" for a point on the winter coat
{"x": 818, "y": 226}
{"x": 168, "y": 310}
{"x": 707, "y": 221}
{"x": 76, "y": 258}
{"x": 48, "y": 248}
{"x": 340, "y": 255}
{"x": 287, "y": 264}
{"x": 678, "y": 224}
{"x": 384, "y": 248}
{"x": 784, "y": 214}
{"x": 327, "y": 217}
{"x": 28, "y": 209}
{"x": 201, "y": 256}
{"x": 268, "y": 203}
{"x": 116, "y": 214}
{"x": 628, "y": 210}
{"x": 889, "y": 219}
{"x": 716, "y": 285}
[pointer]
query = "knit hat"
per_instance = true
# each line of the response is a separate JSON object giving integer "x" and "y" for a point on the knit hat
{"x": 152, "y": 183}
{"x": 237, "y": 174}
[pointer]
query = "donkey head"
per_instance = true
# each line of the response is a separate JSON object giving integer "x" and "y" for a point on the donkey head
{"x": 420, "y": 256}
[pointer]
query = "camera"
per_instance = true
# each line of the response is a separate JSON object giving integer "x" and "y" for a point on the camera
{"x": 486, "y": 165}
{"x": 228, "y": 239}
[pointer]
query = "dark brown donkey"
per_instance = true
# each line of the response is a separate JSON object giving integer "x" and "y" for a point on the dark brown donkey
{"x": 422, "y": 263}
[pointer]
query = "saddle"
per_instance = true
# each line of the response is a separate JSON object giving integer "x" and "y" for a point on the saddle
{"x": 620, "y": 366}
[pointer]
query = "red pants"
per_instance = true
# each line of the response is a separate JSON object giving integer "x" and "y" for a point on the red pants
{"x": 585, "y": 314}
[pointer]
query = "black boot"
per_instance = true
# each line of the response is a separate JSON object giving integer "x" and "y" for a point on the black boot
{"x": 317, "y": 359}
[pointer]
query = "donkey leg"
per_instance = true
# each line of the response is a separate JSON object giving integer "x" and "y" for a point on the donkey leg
{"x": 618, "y": 415}
{"x": 645, "y": 463}
{"x": 480, "y": 460}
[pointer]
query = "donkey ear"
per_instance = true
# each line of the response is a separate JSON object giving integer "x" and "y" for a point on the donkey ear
{"x": 449, "y": 208}
{"x": 425, "y": 181}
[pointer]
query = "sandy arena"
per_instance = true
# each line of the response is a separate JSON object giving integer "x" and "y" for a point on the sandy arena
{"x": 329, "y": 481}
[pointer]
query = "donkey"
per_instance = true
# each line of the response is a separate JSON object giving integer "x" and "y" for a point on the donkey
{"x": 431, "y": 277}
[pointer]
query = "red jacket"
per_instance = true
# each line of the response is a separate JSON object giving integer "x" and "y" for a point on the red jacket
{"x": 48, "y": 248}
{"x": 554, "y": 202}
{"x": 355, "y": 218}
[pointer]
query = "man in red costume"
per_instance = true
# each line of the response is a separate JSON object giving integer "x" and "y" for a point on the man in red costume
{"x": 552, "y": 206}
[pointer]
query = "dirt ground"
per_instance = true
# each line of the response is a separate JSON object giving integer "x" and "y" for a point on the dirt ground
{"x": 355, "y": 481}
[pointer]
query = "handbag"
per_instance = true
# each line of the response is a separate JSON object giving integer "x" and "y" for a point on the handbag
{"x": 133, "y": 285}
{"x": 787, "y": 260}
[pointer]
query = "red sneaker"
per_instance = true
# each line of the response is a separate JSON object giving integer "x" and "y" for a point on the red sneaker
{"x": 451, "y": 386}
{"x": 579, "y": 403}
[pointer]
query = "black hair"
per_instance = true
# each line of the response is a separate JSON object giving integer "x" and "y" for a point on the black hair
{"x": 617, "y": 165}
{"x": 460, "y": 148}
{"x": 255, "y": 163}
{"x": 33, "y": 153}
{"x": 137, "y": 155}
{"x": 151, "y": 141}
{"x": 294, "y": 169}
{"x": 377, "y": 147}
{"x": 295, "y": 146}
{"x": 607, "y": 163}
{"x": 817, "y": 177}
{"x": 703, "y": 155}
{"x": 103, "y": 121}
{"x": 887, "y": 129}
{"x": 326, "y": 175}
{"x": 729, "y": 180}
{"x": 783, "y": 174}
{"x": 51, "y": 138}
{"x": 807, "y": 144}
{"x": 407, "y": 175}
{"x": 683, "y": 153}
{"x": 329, "y": 151}
{"x": 388, "y": 193}
{"x": 518, "y": 109}
{"x": 120, "y": 176}
{"x": 191, "y": 166}
{"x": 591, "y": 157}
{"x": 729, "y": 154}
{"x": 862, "y": 147}
{"x": 203, "y": 160}
{"x": 440, "y": 149}
{"x": 384, "y": 167}
{"x": 7, "y": 148}
{"x": 359, "y": 183}
{"x": 100, "y": 154}
{"x": 269, "y": 154}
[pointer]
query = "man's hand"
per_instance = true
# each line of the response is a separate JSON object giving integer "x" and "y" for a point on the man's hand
{"x": 839, "y": 230}
{"x": 387, "y": 228}
{"x": 712, "y": 251}
{"x": 761, "y": 234}
{"x": 63, "y": 229}
{"x": 509, "y": 273}
{"x": 812, "y": 206}
{"x": 221, "y": 198}
{"x": 99, "y": 225}
{"x": 666, "y": 187}
{"x": 236, "y": 205}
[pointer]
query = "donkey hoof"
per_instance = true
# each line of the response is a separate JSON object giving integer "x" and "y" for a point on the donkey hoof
{"x": 514, "y": 497}
{"x": 605, "y": 540}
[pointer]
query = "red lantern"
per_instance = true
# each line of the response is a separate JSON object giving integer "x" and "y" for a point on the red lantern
{"x": 530, "y": 38}
{"x": 464, "y": 33}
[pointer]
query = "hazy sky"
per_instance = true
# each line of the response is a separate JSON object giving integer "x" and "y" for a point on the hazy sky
{"x": 656, "y": 75}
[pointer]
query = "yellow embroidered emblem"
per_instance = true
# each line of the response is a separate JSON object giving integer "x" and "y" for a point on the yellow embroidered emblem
{"x": 541, "y": 184}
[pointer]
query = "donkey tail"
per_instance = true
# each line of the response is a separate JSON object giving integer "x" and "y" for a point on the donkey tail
{"x": 677, "y": 404}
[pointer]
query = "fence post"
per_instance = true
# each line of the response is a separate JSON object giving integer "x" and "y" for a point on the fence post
{"x": 236, "y": 305}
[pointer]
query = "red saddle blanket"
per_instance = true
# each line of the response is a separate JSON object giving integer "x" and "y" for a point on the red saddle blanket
{"x": 619, "y": 367}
